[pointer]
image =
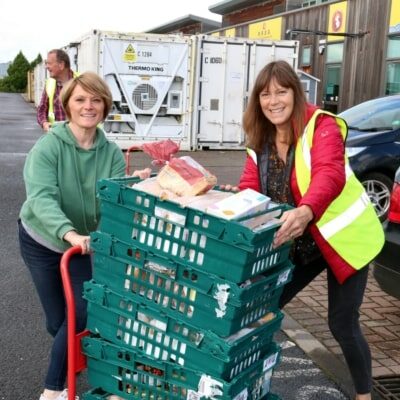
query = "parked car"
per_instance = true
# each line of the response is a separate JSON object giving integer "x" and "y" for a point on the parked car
{"x": 386, "y": 266}
{"x": 373, "y": 147}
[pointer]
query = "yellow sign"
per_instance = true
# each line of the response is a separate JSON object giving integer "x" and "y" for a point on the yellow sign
{"x": 337, "y": 20}
{"x": 216, "y": 34}
{"x": 230, "y": 32}
{"x": 268, "y": 29}
{"x": 129, "y": 54}
{"x": 394, "y": 24}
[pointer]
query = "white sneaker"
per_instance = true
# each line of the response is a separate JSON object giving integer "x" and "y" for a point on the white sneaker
{"x": 62, "y": 396}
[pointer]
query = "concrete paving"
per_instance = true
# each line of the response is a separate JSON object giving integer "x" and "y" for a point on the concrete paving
{"x": 307, "y": 325}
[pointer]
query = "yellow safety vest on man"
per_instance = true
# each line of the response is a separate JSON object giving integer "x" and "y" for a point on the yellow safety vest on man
{"x": 51, "y": 85}
{"x": 350, "y": 224}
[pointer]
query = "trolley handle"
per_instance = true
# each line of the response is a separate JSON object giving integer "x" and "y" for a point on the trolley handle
{"x": 127, "y": 157}
{"x": 76, "y": 360}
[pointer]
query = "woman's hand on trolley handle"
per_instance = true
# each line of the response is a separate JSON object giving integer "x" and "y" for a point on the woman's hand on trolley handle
{"x": 78, "y": 240}
{"x": 142, "y": 173}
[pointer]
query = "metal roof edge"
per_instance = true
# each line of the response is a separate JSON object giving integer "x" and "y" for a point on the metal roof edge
{"x": 182, "y": 21}
{"x": 227, "y": 6}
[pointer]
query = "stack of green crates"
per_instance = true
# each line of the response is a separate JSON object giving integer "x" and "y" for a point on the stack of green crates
{"x": 182, "y": 305}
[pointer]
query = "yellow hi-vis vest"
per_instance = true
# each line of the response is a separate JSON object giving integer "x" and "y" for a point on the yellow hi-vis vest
{"x": 51, "y": 85}
{"x": 350, "y": 224}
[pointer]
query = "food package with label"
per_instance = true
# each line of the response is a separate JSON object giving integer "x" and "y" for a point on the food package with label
{"x": 185, "y": 177}
{"x": 241, "y": 204}
{"x": 200, "y": 202}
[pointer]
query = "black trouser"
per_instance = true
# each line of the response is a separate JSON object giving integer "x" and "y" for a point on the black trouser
{"x": 44, "y": 266}
{"x": 344, "y": 302}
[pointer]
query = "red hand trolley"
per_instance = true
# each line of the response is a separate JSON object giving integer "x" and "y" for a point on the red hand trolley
{"x": 76, "y": 359}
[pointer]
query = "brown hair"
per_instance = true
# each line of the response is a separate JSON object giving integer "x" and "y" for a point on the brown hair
{"x": 259, "y": 130}
{"x": 92, "y": 83}
{"x": 61, "y": 56}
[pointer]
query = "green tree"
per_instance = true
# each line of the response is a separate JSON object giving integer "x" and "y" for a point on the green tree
{"x": 5, "y": 85}
{"x": 17, "y": 72}
{"x": 17, "y": 75}
{"x": 36, "y": 61}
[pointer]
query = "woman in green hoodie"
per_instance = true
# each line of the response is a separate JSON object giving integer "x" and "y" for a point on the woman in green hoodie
{"x": 61, "y": 208}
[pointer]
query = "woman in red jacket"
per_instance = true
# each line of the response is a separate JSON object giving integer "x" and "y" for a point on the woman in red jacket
{"x": 274, "y": 121}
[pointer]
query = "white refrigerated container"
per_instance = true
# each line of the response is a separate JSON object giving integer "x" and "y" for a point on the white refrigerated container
{"x": 190, "y": 89}
{"x": 39, "y": 79}
{"x": 150, "y": 77}
{"x": 226, "y": 69}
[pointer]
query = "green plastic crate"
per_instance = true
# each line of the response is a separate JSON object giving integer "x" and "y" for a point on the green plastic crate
{"x": 123, "y": 372}
{"x": 179, "y": 308}
{"x": 100, "y": 394}
{"x": 204, "y": 283}
{"x": 184, "y": 293}
{"x": 229, "y": 249}
{"x": 152, "y": 334}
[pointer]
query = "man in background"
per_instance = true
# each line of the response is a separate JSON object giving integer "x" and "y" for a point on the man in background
{"x": 50, "y": 108}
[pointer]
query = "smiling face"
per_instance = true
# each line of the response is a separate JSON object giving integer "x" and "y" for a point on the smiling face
{"x": 54, "y": 67}
{"x": 86, "y": 110}
{"x": 277, "y": 104}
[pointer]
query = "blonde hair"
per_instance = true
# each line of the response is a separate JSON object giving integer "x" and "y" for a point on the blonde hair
{"x": 259, "y": 130}
{"x": 92, "y": 83}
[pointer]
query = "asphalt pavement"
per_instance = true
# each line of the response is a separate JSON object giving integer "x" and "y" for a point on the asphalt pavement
{"x": 24, "y": 342}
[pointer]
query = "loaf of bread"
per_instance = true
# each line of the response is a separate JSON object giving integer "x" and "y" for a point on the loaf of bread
{"x": 185, "y": 177}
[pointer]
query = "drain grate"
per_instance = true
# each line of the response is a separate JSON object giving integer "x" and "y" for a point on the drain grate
{"x": 387, "y": 386}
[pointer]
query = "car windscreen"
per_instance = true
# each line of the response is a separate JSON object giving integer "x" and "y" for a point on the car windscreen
{"x": 376, "y": 115}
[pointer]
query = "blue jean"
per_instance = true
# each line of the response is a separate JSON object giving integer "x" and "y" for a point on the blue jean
{"x": 344, "y": 302}
{"x": 44, "y": 266}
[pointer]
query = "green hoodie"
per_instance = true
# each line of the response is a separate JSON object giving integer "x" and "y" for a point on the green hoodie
{"x": 60, "y": 181}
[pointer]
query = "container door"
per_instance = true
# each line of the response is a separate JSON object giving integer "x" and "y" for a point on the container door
{"x": 263, "y": 52}
{"x": 39, "y": 82}
{"x": 222, "y": 75}
{"x": 227, "y": 68}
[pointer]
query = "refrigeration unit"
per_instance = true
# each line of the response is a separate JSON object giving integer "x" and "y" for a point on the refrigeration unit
{"x": 150, "y": 77}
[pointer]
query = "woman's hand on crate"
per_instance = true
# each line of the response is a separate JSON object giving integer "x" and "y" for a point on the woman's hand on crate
{"x": 294, "y": 223}
{"x": 78, "y": 240}
{"x": 142, "y": 173}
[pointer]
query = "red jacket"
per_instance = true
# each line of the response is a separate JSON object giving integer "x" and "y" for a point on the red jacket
{"x": 327, "y": 181}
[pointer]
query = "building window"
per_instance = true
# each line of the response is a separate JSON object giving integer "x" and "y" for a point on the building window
{"x": 295, "y": 4}
{"x": 333, "y": 72}
{"x": 393, "y": 65}
{"x": 334, "y": 53}
{"x": 333, "y": 75}
{"x": 393, "y": 78}
{"x": 305, "y": 56}
{"x": 393, "y": 50}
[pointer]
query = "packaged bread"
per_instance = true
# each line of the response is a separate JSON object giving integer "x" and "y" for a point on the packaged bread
{"x": 185, "y": 177}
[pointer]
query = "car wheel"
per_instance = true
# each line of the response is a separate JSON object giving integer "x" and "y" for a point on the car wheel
{"x": 378, "y": 187}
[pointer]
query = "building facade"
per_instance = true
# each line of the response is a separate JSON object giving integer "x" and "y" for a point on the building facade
{"x": 351, "y": 46}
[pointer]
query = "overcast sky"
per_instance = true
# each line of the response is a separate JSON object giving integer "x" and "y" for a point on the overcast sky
{"x": 36, "y": 26}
